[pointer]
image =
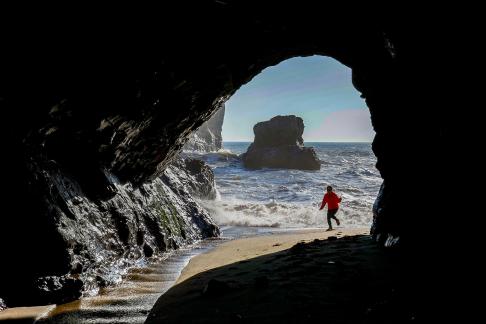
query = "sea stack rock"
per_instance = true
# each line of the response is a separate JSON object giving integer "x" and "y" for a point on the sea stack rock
{"x": 279, "y": 144}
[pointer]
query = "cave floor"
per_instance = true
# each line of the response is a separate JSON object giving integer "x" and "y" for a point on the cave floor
{"x": 128, "y": 302}
{"x": 345, "y": 279}
{"x": 302, "y": 277}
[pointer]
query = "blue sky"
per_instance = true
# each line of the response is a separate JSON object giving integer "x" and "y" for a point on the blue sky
{"x": 316, "y": 88}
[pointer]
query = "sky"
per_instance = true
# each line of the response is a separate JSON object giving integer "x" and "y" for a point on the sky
{"x": 318, "y": 89}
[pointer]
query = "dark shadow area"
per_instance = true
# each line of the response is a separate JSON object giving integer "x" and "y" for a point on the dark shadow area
{"x": 344, "y": 280}
{"x": 88, "y": 99}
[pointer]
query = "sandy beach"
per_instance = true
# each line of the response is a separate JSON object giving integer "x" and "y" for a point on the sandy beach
{"x": 301, "y": 276}
{"x": 128, "y": 302}
{"x": 304, "y": 277}
{"x": 252, "y": 247}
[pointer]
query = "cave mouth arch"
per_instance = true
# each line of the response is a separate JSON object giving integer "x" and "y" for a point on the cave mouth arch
{"x": 315, "y": 88}
{"x": 319, "y": 90}
{"x": 130, "y": 113}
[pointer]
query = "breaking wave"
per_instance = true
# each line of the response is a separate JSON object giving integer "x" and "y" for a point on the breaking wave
{"x": 281, "y": 215}
{"x": 291, "y": 198}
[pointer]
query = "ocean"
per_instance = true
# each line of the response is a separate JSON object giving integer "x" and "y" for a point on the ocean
{"x": 290, "y": 199}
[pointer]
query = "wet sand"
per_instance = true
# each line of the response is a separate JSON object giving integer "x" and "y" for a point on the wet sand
{"x": 128, "y": 302}
{"x": 303, "y": 277}
{"x": 287, "y": 277}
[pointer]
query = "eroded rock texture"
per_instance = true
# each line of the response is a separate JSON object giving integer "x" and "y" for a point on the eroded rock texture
{"x": 196, "y": 177}
{"x": 208, "y": 137}
{"x": 279, "y": 144}
{"x": 86, "y": 243}
{"x": 115, "y": 95}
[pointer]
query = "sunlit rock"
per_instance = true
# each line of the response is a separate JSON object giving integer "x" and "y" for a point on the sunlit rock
{"x": 208, "y": 137}
{"x": 196, "y": 177}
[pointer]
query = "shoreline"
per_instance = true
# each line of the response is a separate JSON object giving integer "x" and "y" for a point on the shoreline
{"x": 245, "y": 248}
{"x": 239, "y": 244}
{"x": 128, "y": 301}
{"x": 340, "y": 276}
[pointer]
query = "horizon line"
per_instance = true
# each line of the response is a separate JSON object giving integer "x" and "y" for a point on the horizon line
{"x": 246, "y": 141}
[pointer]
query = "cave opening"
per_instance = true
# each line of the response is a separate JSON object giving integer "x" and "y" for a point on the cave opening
{"x": 336, "y": 125}
{"x": 80, "y": 119}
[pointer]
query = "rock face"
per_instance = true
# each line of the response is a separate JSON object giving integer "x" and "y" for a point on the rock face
{"x": 278, "y": 144}
{"x": 208, "y": 137}
{"x": 196, "y": 177}
{"x": 86, "y": 243}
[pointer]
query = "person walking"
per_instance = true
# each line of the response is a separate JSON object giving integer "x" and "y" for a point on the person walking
{"x": 332, "y": 200}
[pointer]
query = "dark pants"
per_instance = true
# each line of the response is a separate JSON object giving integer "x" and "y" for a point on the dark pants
{"x": 331, "y": 213}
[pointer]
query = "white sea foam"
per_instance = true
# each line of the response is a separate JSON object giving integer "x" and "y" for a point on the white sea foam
{"x": 282, "y": 215}
{"x": 290, "y": 198}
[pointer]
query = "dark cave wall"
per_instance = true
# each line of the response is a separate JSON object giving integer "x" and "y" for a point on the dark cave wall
{"x": 119, "y": 95}
{"x": 76, "y": 243}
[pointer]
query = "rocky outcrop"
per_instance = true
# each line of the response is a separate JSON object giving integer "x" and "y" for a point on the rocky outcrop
{"x": 208, "y": 137}
{"x": 196, "y": 177}
{"x": 84, "y": 243}
{"x": 279, "y": 144}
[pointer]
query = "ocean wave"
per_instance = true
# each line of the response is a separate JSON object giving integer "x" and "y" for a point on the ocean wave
{"x": 349, "y": 173}
{"x": 221, "y": 155}
{"x": 366, "y": 172}
{"x": 290, "y": 198}
{"x": 227, "y": 152}
{"x": 282, "y": 215}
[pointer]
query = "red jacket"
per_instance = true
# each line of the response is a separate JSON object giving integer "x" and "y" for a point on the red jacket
{"x": 332, "y": 201}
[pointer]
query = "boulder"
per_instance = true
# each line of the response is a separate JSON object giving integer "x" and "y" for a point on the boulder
{"x": 196, "y": 177}
{"x": 279, "y": 144}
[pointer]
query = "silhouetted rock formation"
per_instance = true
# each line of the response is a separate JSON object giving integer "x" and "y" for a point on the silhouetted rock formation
{"x": 90, "y": 241}
{"x": 83, "y": 104}
{"x": 278, "y": 144}
{"x": 208, "y": 137}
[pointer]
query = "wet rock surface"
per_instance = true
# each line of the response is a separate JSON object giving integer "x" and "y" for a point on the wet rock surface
{"x": 279, "y": 144}
{"x": 97, "y": 240}
{"x": 131, "y": 300}
{"x": 197, "y": 177}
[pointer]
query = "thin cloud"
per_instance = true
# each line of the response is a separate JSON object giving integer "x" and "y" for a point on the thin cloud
{"x": 346, "y": 125}
{"x": 309, "y": 87}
